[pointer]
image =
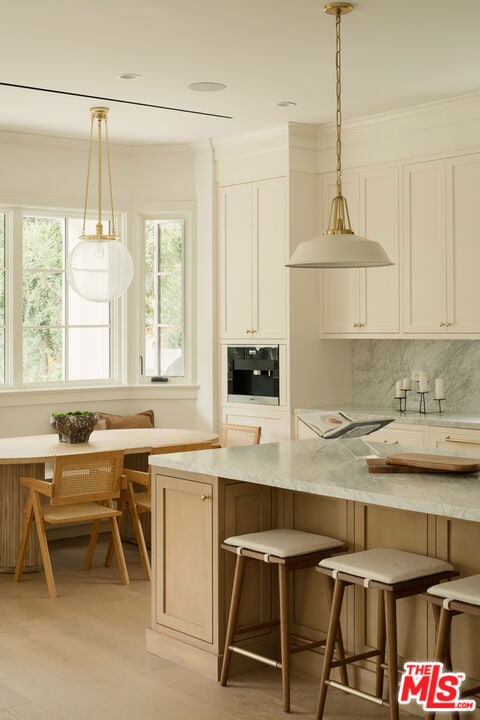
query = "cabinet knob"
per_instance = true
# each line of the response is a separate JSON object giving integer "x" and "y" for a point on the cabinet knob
{"x": 356, "y": 324}
{"x": 205, "y": 497}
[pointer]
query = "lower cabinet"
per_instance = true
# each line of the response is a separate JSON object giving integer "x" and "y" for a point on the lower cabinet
{"x": 401, "y": 434}
{"x": 192, "y": 577}
{"x": 275, "y": 422}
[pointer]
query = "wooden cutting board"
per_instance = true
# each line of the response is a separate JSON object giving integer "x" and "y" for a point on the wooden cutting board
{"x": 380, "y": 465}
{"x": 435, "y": 463}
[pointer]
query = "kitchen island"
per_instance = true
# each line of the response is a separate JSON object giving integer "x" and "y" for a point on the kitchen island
{"x": 313, "y": 485}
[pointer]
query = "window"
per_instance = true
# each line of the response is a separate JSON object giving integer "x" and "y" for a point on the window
{"x": 65, "y": 338}
{"x": 164, "y": 329}
{"x": 2, "y": 296}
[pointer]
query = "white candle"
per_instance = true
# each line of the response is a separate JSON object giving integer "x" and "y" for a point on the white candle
{"x": 422, "y": 382}
{"x": 398, "y": 389}
{"x": 407, "y": 383}
{"x": 439, "y": 389}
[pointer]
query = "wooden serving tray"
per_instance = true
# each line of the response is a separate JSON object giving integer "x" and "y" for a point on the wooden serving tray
{"x": 434, "y": 463}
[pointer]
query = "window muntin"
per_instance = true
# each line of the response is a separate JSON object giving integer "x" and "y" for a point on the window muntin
{"x": 65, "y": 338}
{"x": 164, "y": 330}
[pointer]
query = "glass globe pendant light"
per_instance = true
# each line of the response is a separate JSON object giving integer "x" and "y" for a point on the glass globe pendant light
{"x": 339, "y": 247}
{"x": 99, "y": 268}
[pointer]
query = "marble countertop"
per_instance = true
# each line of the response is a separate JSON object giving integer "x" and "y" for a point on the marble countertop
{"x": 468, "y": 422}
{"x": 326, "y": 467}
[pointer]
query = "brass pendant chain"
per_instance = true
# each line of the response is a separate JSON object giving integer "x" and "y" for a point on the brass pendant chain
{"x": 339, "y": 102}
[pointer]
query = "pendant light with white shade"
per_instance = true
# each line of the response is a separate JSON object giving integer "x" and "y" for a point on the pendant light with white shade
{"x": 99, "y": 268}
{"x": 339, "y": 247}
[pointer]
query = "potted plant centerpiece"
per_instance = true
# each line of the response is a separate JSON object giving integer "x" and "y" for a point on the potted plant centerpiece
{"x": 74, "y": 427}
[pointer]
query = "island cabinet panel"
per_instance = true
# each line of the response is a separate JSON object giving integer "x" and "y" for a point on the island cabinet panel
{"x": 193, "y": 576}
{"x": 185, "y": 543}
{"x": 310, "y": 609}
{"x": 460, "y": 541}
{"x": 248, "y": 508}
{"x": 377, "y": 526}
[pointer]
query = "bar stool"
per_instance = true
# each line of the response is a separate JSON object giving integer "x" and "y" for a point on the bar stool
{"x": 395, "y": 574}
{"x": 448, "y": 599}
{"x": 290, "y": 550}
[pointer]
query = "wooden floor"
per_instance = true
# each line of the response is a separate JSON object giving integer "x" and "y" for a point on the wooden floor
{"x": 82, "y": 657}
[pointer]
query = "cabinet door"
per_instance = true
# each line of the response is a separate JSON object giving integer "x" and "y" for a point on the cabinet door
{"x": 425, "y": 248}
{"x": 236, "y": 238}
{"x": 366, "y": 301}
{"x": 269, "y": 309}
{"x": 184, "y": 592}
{"x": 463, "y": 260}
{"x": 341, "y": 288}
{"x": 379, "y": 287}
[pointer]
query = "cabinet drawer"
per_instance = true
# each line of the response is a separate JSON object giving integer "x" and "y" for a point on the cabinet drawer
{"x": 455, "y": 440}
{"x": 400, "y": 434}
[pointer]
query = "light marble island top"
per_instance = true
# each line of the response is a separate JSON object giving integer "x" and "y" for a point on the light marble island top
{"x": 323, "y": 467}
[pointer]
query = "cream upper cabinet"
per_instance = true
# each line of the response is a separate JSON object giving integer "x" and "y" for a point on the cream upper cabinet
{"x": 365, "y": 301}
{"x": 442, "y": 256}
{"x": 253, "y": 254}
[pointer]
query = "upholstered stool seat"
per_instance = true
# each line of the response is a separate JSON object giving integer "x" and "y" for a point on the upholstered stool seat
{"x": 290, "y": 550}
{"x": 449, "y": 599}
{"x": 395, "y": 574}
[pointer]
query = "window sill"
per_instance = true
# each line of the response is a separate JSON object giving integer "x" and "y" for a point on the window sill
{"x": 39, "y": 396}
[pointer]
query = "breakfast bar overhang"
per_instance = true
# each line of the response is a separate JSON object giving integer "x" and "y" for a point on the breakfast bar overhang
{"x": 313, "y": 485}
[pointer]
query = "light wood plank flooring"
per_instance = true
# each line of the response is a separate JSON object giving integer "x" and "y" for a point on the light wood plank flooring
{"x": 82, "y": 657}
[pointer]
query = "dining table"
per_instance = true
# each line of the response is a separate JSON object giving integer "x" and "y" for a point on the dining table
{"x": 28, "y": 456}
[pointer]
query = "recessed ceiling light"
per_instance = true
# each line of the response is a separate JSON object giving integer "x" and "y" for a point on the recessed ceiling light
{"x": 286, "y": 103}
{"x": 207, "y": 86}
{"x": 129, "y": 76}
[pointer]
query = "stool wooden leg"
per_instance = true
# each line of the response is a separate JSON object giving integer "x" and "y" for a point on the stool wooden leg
{"x": 284, "y": 635}
{"x": 332, "y": 634}
{"x": 442, "y": 653}
{"x": 233, "y": 615}
{"x": 340, "y": 648}
{"x": 391, "y": 623}
{"x": 380, "y": 644}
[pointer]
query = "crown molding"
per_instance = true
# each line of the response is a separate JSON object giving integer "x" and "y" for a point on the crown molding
{"x": 11, "y": 137}
{"x": 439, "y": 112}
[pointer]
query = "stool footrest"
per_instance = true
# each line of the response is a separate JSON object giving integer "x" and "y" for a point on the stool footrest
{"x": 255, "y": 656}
{"x": 254, "y": 628}
{"x": 354, "y": 658}
{"x": 358, "y": 693}
{"x": 307, "y": 645}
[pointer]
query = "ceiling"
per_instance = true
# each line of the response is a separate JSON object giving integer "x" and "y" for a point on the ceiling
{"x": 395, "y": 53}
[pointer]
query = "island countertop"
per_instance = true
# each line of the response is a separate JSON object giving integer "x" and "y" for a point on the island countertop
{"x": 327, "y": 468}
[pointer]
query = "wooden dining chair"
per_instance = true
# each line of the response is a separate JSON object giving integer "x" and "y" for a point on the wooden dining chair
{"x": 233, "y": 435}
{"x": 82, "y": 488}
{"x": 136, "y": 499}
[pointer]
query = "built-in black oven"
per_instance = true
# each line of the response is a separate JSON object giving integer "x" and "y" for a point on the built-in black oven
{"x": 253, "y": 374}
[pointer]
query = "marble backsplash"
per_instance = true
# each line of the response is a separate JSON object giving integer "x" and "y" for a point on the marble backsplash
{"x": 377, "y": 364}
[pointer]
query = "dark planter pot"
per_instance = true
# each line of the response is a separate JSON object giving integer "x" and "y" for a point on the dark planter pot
{"x": 74, "y": 428}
